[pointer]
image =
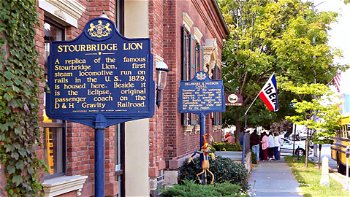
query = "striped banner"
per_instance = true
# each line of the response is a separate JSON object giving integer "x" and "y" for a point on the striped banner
{"x": 269, "y": 94}
{"x": 336, "y": 81}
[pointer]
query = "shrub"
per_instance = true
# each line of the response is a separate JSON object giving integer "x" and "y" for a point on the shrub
{"x": 229, "y": 189}
{"x": 224, "y": 170}
{"x": 254, "y": 161}
{"x": 225, "y": 146}
{"x": 212, "y": 148}
{"x": 190, "y": 189}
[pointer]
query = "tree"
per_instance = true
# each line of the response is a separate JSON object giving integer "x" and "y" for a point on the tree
{"x": 286, "y": 37}
{"x": 320, "y": 115}
{"x": 282, "y": 126}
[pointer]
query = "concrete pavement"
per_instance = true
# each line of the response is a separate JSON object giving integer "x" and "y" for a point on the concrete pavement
{"x": 273, "y": 178}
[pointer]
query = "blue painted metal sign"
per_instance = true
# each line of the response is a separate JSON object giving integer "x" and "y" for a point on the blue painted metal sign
{"x": 100, "y": 79}
{"x": 100, "y": 72}
{"x": 201, "y": 95}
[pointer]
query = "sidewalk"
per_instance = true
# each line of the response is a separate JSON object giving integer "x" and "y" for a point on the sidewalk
{"x": 273, "y": 178}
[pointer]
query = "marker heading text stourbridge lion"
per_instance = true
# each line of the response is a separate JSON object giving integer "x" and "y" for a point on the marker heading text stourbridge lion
{"x": 86, "y": 47}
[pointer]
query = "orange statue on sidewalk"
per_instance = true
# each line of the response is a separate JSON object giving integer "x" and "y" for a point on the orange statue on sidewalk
{"x": 205, "y": 151}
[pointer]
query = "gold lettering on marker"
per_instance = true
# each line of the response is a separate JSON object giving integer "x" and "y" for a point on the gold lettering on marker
{"x": 87, "y": 47}
{"x": 93, "y": 105}
{"x": 130, "y": 104}
{"x": 108, "y": 66}
{"x": 132, "y": 46}
{"x": 93, "y": 48}
{"x": 131, "y": 59}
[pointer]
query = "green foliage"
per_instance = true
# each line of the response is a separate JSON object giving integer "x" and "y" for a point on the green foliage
{"x": 254, "y": 161}
{"x": 19, "y": 104}
{"x": 309, "y": 180}
{"x": 212, "y": 148}
{"x": 323, "y": 137}
{"x": 279, "y": 127}
{"x": 224, "y": 169}
{"x": 286, "y": 37}
{"x": 320, "y": 113}
{"x": 191, "y": 189}
{"x": 225, "y": 146}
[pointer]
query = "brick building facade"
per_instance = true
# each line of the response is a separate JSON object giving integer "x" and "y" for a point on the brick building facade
{"x": 142, "y": 155}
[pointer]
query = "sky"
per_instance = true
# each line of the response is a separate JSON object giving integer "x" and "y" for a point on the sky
{"x": 339, "y": 35}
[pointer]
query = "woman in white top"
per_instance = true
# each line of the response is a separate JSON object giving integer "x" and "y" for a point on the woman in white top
{"x": 276, "y": 150}
{"x": 271, "y": 146}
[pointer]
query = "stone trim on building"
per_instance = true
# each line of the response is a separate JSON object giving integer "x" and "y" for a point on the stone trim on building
{"x": 63, "y": 185}
{"x": 187, "y": 21}
{"x": 197, "y": 34}
{"x": 67, "y": 11}
{"x": 210, "y": 56}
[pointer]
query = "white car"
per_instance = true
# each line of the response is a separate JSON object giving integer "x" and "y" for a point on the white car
{"x": 287, "y": 147}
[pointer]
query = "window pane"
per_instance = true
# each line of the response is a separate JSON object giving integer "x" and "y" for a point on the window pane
{"x": 53, "y": 150}
{"x": 185, "y": 69}
{"x": 51, "y": 33}
{"x": 54, "y": 131}
{"x": 198, "y": 57}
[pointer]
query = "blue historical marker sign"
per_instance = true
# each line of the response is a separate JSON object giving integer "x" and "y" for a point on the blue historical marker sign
{"x": 100, "y": 72}
{"x": 201, "y": 95}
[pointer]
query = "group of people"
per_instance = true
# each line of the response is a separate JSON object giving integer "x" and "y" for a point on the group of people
{"x": 267, "y": 146}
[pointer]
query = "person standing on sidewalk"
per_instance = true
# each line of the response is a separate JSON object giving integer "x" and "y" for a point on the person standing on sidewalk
{"x": 271, "y": 146}
{"x": 230, "y": 138}
{"x": 255, "y": 143}
{"x": 276, "y": 150}
{"x": 264, "y": 145}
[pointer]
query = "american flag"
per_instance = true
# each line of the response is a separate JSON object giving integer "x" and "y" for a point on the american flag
{"x": 336, "y": 81}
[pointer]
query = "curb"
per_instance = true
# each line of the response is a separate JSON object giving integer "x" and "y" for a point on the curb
{"x": 335, "y": 175}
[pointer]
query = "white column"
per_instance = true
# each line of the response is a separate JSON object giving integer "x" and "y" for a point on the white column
{"x": 136, "y": 25}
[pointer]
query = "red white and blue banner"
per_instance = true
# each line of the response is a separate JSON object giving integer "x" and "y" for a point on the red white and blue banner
{"x": 269, "y": 94}
{"x": 336, "y": 81}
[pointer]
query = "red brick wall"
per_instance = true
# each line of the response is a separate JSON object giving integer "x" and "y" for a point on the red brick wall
{"x": 177, "y": 143}
{"x": 156, "y": 139}
{"x": 172, "y": 59}
{"x": 39, "y": 44}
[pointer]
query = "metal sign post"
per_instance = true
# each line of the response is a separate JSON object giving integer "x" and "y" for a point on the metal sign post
{"x": 347, "y": 153}
{"x": 201, "y": 143}
{"x": 100, "y": 125}
{"x": 202, "y": 95}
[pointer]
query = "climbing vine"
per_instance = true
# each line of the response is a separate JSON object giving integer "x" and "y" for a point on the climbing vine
{"x": 19, "y": 103}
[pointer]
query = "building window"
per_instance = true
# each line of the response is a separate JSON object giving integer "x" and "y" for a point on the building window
{"x": 54, "y": 130}
{"x": 185, "y": 69}
{"x": 120, "y": 16}
{"x": 217, "y": 116}
{"x": 196, "y": 68}
{"x": 197, "y": 56}
{"x": 191, "y": 61}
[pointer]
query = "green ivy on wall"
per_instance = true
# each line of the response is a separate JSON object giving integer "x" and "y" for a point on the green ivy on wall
{"x": 19, "y": 92}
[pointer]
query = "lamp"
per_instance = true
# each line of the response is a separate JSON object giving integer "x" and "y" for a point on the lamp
{"x": 162, "y": 71}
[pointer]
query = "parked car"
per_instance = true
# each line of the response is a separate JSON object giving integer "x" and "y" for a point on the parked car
{"x": 298, "y": 136}
{"x": 299, "y": 147}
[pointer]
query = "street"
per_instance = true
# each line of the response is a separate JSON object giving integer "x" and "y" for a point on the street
{"x": 326, "y": 151}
